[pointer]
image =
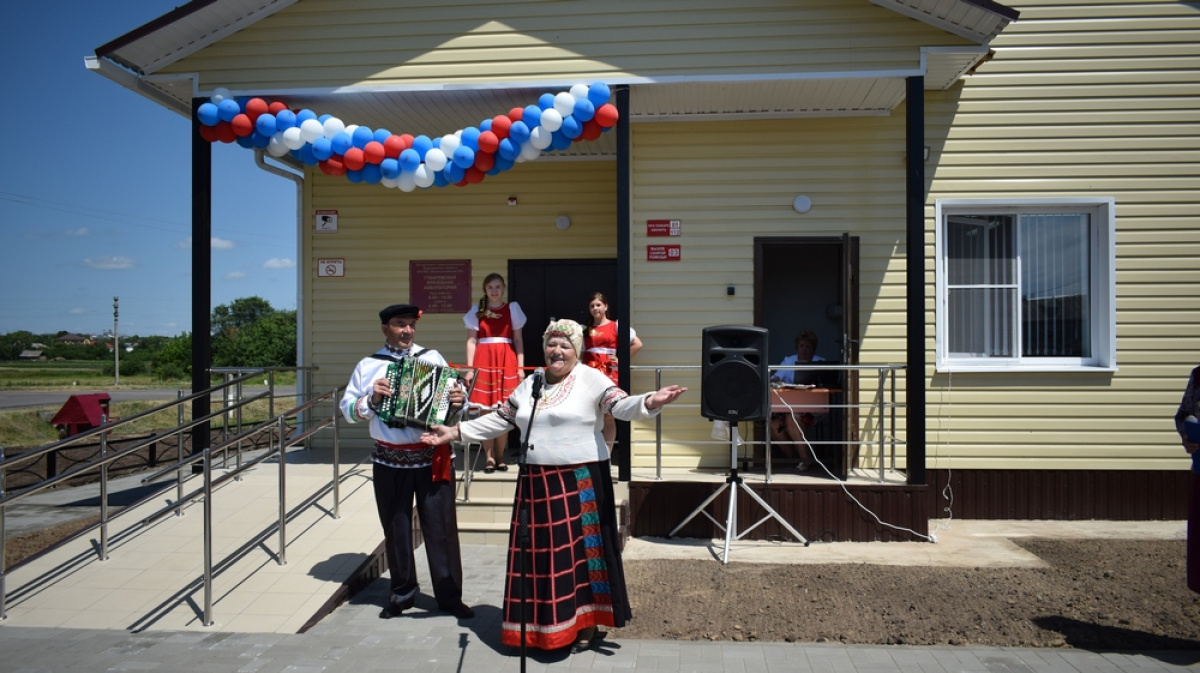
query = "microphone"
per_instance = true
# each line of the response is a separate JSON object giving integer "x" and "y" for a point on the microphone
{"x": 538, "y": 381}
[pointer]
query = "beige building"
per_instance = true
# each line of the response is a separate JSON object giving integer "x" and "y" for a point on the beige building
{"x": 995, "y": 204}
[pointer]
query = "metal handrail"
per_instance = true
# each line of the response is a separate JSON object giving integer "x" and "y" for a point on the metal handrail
{"x": 106, "y": 458}
{"x": 885, "y": 424}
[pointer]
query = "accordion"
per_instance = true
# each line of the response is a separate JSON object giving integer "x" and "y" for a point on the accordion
{"x": 420, "y": 394}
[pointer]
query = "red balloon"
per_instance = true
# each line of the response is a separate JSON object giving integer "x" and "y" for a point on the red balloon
{"x": 461, "y": 183}
{"x": 225, "y": 132}
{"x": 500, "y": 126}
{"x": 516, "y": 114}
{"x": 474, "y": 175}
{"x": 484, "y": 161}
{"x": 606, "y": 115}
{"x": 488, "y": 142}
{"x": 591, "y": 130}
{"x": 277, "y": 107}
{"x": 373, "y": 153}
{"x": 407, "y": 139}
{"x": 242, "y": 125}
{"x": 333, "y": 166}
{"x": 256, "y": 107}
{"x": 355, "y": 159}
{"x": 393, "y": 146}
{"x": 209, "y": 133}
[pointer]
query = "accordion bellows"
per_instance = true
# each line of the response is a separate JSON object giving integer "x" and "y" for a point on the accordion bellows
{"x": 420, "y": 394}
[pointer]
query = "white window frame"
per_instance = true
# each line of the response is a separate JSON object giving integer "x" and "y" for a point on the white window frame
{"x": 1103, "y": 302}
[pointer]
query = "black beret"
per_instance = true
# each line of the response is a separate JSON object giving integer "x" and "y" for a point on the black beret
{"x": 394, "y": 310}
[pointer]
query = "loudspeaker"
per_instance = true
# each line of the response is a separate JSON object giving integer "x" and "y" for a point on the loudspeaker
{"x": 734, "y": 374}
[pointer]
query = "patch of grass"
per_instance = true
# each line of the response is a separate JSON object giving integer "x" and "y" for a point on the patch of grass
{"x": 90, "y": 374}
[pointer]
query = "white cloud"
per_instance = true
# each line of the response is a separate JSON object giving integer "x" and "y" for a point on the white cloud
{"x": 234, "y": 275}
{"x": 277, "y": 263}
{"x": 109, "y": 263}
{"x": 82, "y": 231}
{"x": 216, "y": 243}
{"x": 77, "y": 311}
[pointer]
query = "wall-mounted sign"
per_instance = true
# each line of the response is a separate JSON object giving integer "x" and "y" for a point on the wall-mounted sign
{"x": 326, "y": 221}
{"x": 664, "y": 227}
{"x": 664, "y": 253}
{"x": 331, "y": 268}
{"x": 440, "y": 285}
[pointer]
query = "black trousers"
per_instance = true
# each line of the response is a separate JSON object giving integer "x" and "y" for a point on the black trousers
{"x": 395, "y": 491}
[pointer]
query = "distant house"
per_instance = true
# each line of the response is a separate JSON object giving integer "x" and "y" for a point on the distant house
{"x": 74, "y": 339}
{"x": 31, "y": 355}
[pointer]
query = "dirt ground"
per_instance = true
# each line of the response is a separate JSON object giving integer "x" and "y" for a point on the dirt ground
{"x": 1106, "y": 595}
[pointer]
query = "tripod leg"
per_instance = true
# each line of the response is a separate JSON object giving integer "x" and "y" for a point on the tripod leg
{"x": 699, "y": 510}
{"x": 772, "y": 513}
{"x": 730, "y": 523}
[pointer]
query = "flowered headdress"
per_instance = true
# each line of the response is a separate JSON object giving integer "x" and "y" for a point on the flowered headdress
{"x": 570, "y": 329}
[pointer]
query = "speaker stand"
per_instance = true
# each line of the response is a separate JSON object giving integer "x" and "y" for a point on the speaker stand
{"x": 735, "y": 480}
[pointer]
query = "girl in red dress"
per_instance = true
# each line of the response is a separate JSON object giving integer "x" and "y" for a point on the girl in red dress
{"x": 495, "y": 350}
{"x": 600, "y": 349}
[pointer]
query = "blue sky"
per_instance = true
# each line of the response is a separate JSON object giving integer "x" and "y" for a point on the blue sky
{"x": 95, "y": 192}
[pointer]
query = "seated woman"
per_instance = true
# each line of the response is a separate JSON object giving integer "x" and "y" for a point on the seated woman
{"x": 789, "y": 429}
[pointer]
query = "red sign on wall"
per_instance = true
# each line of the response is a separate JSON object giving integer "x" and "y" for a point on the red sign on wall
{"x": 440, "y": 285}
{"x": 664, "y": 253}
{"x": 664, "y": 227}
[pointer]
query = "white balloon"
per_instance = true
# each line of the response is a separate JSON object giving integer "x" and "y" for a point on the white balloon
{"x": 406, "y": 182}
{"x": 529, "y": 152}
{"x": 423, "y": 177}
{"x": 551, "y": 121}
{"x": 311, "y": 129}
{"x": 579, "y": 91}
{"x": 450, "y": 142}
{"x": 435, "y": 159}
{"x": 332, "y": 127}
{"x": 275, "y": 146}
{"x": 219, "y": 94}
{"x": 292, "y": 138}
{"x": 564, "y": 103}
{"x": 541, "y": 137}
{"x": 350, "y": 130}
{"x": 390, "y": 182}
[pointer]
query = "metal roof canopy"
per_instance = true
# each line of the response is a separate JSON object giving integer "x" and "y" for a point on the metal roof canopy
{"x": 133, "y": 59}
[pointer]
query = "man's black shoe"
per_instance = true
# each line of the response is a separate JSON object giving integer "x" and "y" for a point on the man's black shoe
{"x": 393, "y": 609}
{"x": 460, "y": 611}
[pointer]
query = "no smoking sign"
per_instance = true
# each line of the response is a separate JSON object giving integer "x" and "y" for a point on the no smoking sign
{"x": 331, "y": 268}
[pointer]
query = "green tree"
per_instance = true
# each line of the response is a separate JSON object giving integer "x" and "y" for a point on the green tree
{"x": 13, "y": 343}
{"x": 227, "y": 320}
{"x": 248, "y": 332}
{"x": 174, "y": 360}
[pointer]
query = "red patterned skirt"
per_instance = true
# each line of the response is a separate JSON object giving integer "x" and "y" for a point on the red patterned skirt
{"x": 575, "y": 577}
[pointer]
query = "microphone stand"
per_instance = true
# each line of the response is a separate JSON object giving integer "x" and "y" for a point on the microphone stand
{"x": 524, "y": 511}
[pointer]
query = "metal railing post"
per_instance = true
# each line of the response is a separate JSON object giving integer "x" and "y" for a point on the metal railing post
{"x": 103, "y": 491}
{"x": 208, "y": 542}
{"x": 893, "y": 423}
{"x": 657, "y": 432}
{"x": 882, "y": 428}
{"x": 238, "y": 459}
{"x": 271, "y": 396}
{"x": 3, "y": 549}
{"x": 179, "y": 458}
{"x": 282, "y": 493}
{"x": 337, "y": 477}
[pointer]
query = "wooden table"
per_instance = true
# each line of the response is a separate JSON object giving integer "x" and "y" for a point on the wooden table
{"x": 800, "y": 400}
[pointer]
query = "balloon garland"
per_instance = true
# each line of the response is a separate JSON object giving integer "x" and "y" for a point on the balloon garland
{"x": 403, "y": 161}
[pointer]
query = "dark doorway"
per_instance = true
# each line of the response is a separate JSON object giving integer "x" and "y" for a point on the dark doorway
{"x": 549, "y": 289}
{"x": 812, "y": 283}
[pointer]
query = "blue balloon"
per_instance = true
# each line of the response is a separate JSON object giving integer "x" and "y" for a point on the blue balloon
{"x": 284, "y": 120}
{"x": 245, "y": 141}
{"x": 258, "y": 140}
{"x": 598, "y": 93}
{"x": 341, "y": 142}
{"x": 464, "y": 157}
{"x": 381, "y": 135}
{"x": 265, "y": 124}
{"x": 304, "y": 115}
{"x": 559, "y": 141}
{"x": 546, "y": 101}
{"x": 485, "y": 125}
{"x": 354, "y": 176}
{"x": 409, "y": 160}
{"x": 324, "y": 117}
{"x": 390, "y": 168}
{"x": 241, "y": 101}
{"x": 439, "y": 179}
{"x": 371, "y": 174}
{"x": 454, "y": 173}
{"x": 437, "y": 142}
{"x": 532, "y": 116}
{"x": 584, "y": 110}
{"x": 208, "y": 114}
{"x": 571, "y": 127}
{"x": 228, "y": 109}
{"x": 470, "y": 138}
{"x": 362, "y": 136}
{"x": 519, "y": 132}
{"x": 503, "y": 164}
{"x": 422, "y": 144}
{"x": 322, "y": 149}
{"x": 508, "y": 149}
{"x": 307, "y": 155}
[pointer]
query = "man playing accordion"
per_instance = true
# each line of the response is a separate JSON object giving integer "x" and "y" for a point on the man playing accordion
{"x": 404, "y": 469}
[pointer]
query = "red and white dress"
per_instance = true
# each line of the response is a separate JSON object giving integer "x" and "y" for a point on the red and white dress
{"x": 600, "y": 348}
{"x": 497, "y": 373}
